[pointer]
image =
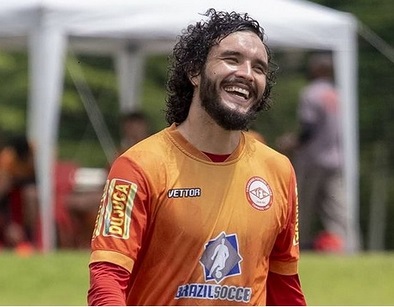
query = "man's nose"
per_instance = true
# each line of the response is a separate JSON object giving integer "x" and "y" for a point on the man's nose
{"x": 245, "y": 71}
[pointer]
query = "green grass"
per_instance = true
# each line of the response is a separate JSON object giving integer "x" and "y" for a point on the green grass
{"x": 53, "y": 279}
{"x": 365, "y": 279}
{"x": 62, "y": 278}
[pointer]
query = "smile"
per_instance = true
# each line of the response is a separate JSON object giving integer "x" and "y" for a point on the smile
{"x": 242, "y": 92}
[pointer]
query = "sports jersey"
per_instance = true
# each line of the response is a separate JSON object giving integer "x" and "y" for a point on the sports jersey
{"x": 194, "y": 232}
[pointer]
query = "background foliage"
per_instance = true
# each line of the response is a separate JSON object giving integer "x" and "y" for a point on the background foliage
{"x": 78, "y": 141}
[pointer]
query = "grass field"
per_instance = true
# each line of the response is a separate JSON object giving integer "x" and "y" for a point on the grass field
{"x": 62, "y": 279}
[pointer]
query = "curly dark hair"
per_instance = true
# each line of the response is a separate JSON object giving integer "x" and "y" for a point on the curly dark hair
{"x": 190, "y": 54}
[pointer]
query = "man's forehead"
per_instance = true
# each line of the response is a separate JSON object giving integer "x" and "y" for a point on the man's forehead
{"x": 243, "y": 35}
{"x": 241, "y": 41}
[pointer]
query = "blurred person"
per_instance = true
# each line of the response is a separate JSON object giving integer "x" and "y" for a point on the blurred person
{"x": 135, "y": 126}
{"x": 18, "y": 195}
{"x": 81, "y": 205}
{"x": 82, "y": 202}
{"x": 318, "y": 159}
{"x": 201, "y": 213}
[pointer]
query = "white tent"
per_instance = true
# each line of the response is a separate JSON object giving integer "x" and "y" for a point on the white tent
{"x": 130, "y": 29}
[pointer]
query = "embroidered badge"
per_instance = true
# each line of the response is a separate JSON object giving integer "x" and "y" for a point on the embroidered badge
{"x": 259, "y": 193}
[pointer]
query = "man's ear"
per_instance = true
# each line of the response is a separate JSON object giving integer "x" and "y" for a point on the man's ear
{"x": 195, "y": 80}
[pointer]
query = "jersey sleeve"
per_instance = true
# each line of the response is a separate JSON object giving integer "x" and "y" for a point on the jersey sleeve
{"x": 108, "y": 284}
{"x": 284, "y": 290}
{"x": 285, "y": 253}
{"x": 122, "y": 216}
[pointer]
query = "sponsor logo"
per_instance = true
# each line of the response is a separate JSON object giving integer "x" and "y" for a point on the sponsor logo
{"x": 118, "y": 205}
{"x": 259, "y": 193}
{"x": 100, "y": 215}
{"x": 214, "y": 292}
{"x": 182, "y": 193}
{"x": 296, "y": 238}
{"x": 221, "y": 258}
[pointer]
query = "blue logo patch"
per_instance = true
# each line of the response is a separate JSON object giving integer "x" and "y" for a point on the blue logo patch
{"x": 221, "y": 258}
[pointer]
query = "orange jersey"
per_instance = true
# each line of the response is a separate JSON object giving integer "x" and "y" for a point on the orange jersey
{"x": 194, "y": 232}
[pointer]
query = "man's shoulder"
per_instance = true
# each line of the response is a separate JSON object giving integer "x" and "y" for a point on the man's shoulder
{"x": 268, "y": 155}
{"x": 153, "y": 142}
{"x": 151, "y": 151}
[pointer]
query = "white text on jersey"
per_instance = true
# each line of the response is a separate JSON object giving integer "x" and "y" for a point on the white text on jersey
{"x": 186, "y": 192}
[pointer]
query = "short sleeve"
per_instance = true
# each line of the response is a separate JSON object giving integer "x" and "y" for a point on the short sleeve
{"x": 122, "y": 217}
{"x": 285, "y": 254}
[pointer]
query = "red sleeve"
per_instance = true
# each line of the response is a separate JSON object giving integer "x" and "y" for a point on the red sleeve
{"x": 284, "y": 290}
{"x": 108, "y": 284}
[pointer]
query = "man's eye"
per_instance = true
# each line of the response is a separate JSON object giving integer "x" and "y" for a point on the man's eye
{"x": 260, "y": 69}
{"x": 231, "y": 60}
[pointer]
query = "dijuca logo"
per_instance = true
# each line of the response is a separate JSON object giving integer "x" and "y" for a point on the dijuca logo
{"x": 118, "y": 206}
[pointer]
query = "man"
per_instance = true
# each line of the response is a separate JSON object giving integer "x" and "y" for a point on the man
{"x": 318, "y": 158}
{"x": 135, "y": 127}
{"x": 171, "y": 200}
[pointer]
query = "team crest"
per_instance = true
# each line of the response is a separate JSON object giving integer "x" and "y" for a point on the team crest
{"x": 221, "y": 258}
{"x": 259, "y": 193}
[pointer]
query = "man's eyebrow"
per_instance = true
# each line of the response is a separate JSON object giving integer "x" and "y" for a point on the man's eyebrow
{"x": 230, "y": 52}
{"x": 237, "y": 53}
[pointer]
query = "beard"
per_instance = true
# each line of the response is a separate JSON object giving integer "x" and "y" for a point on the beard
{"x": 225, "y": 117}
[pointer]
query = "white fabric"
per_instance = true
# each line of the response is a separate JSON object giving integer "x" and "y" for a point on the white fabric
{"x": 102, "y": 26}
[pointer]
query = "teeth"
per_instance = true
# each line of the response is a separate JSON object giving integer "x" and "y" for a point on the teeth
{"x": 241, "y": 91}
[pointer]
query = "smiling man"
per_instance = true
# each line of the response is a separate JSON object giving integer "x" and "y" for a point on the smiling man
{"x": 236, "y": 73}
{"x": 201, "y": 213}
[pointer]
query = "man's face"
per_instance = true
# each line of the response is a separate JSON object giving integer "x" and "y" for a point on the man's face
{"x": 234, "y": 80}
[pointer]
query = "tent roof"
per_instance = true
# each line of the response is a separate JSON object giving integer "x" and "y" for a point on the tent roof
{"x": 289, "y": 23}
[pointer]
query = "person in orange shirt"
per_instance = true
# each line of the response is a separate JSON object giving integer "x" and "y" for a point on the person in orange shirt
{"x": 202, "y": 213}
{"x": 18, "y": 196}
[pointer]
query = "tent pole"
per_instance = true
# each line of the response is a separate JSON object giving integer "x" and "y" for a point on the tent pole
{"x": 46, "y": 55}
{"x": 346, "y": 76}
{"x": 130, "y": 71}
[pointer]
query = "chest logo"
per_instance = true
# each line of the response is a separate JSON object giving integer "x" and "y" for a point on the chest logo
{"x": 259, "y": 193}
{"x": 221, "y": 258}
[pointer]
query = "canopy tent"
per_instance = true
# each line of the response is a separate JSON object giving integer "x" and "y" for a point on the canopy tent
{"x": 130, "y": 29}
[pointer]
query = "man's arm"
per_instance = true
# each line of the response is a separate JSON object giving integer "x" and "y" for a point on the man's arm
{"x": 284, "y": 290}
{"x": 108, "y": 284}
{"x": 111, "y": 260}
{"x": 283, "y": 284}
{"x": 306, "y": 133}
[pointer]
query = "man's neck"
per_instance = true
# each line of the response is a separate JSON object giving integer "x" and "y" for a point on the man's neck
{"x": 209, "y": 137}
